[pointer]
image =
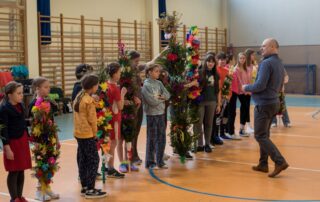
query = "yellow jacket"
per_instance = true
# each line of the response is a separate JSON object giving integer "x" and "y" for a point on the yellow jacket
{"x": 85, "y": 121}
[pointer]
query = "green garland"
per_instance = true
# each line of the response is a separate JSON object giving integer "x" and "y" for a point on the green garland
{"x": 174, "y": 61}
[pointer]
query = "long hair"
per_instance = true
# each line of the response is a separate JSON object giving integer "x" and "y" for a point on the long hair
{"x": 112, "y": 68}
{"x": 203, "y": 75}
{"x": 244, "y": 66}
{"x": 248, "y": 53}
{"x": 10, "y": 88}
{"x": 87, "y": 82}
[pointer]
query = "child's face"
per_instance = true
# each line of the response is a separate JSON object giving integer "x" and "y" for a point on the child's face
{"x": 134, "y": 62}
{"x": 117, "y": 75}
{"x": 222, "y": 62}
{"x": 252, "y": 57}
{"x": 242, "y": 59}
{"x": 44, "y": 89}
{"x": 210, "y": 64}
{"x": 95, "y": 88}
{"x": 155, "y": 73}
{"x": 16, "y": 96}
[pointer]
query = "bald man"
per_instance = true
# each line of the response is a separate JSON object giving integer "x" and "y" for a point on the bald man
{"x": 265, "y": 93}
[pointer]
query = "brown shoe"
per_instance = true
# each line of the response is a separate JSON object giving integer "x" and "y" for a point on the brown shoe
{"x": 278, "y": 169}
{"x": 260, "y": 168}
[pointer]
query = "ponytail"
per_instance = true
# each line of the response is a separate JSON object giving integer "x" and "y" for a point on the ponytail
{"x": 78, "y": 100}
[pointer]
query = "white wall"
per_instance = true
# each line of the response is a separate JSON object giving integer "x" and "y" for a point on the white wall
{"x": 198, "y": 12}
{"x": 292, "y": 22}
{"x": 127, "y": 10}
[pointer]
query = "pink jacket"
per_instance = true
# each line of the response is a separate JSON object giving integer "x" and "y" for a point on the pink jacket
{"x": 243, "y": 77}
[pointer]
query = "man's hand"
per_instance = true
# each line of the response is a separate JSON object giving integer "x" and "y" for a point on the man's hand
{"x": 243, "y": 88}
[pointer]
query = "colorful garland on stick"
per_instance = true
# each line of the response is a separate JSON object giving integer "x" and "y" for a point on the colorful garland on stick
{"x": 104, "y": 116}
{"x": 129, "y": 112}
{"x": 174, "y": 61}
{"x": 46, "y": 150}
{"x": 193, "y": 59}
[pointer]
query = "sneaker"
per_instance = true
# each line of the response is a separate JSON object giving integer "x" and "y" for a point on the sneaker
{"x": 243, "y": 133}
{"x": 53, "y": 195}
{"x": 99, "y": 176}
{"x": 207, "y": 149}
{"x": 212, "y": 146}
{"x": 216, "y": 140}
{"x": 287, "y": 125}
{"x": 164, "y": 166}
{"x": 273, "y": 125}
{"x": 225, "y": 137}
{"x": 123, "y": 168}
{"x": 250, "y": 129}
{"x": 235, "y": 137}
{"x": 94, "y": 193}
{"x": 42, "y": 197}
{"x": 188, "y": 156}
{"x": 115, "y": 174}
{"x": 83, "y": 191}
{"x": 166, "y": 157}
{"x": 134, "y": 168}
{"x": 137, "y": 162}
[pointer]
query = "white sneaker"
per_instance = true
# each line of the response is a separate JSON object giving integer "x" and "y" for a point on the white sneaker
{"x": 249, "y": 129}
{"x": 228, "y": 135}
{"x": 212, "y": 147}
{"x": 162, "y": 167}
{"x": 273, "y": 125}
{"x": 42, "y": 197}
{"x": 288, "y": 125}
{"x": 235, "y": 137}
{"x": 53, "y": 195}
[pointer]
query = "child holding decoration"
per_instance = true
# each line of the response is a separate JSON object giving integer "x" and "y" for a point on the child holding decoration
{"x": 13, "y": 128}
{"x": 44, "y": 136}
{"x": 85, "y": 129}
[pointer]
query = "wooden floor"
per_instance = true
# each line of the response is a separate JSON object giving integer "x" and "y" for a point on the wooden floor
{"x": 223, "y": 175}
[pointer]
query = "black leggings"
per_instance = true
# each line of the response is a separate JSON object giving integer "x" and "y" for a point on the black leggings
{"x": 244, "y": 108}
{"x": 15, "y": 183}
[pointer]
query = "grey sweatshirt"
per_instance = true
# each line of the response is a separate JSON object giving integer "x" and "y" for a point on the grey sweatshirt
{"x": 151, "y": 90}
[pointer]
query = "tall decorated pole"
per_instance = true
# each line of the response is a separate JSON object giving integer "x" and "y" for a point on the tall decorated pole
{"x": 192, "y": 72}
{"x": 174, "y": 61}
{"x": 129, "y": 112}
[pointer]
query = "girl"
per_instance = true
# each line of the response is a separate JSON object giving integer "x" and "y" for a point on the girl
{"x": 210, "y": 103}
{"x": 85, "y": 129}
{"x": 154, "y": 95}
{"x": 16, "y": 155}
{"x": 253, "y": 67}
{"x": 116, "y": 101}
{"x": 41, "y": 87}
{"x": 244, "y": 76}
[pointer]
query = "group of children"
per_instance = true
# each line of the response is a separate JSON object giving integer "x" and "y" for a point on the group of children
{"x": 217, "y": 114}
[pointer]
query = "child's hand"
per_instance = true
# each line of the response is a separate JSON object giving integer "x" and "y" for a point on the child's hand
{"x": 123, "y": 91}
{"x": 95, "y": 97}
{"x": 218, "y": 109}
{"x": 137, "y": 101}
{"x": 8, "y": 152}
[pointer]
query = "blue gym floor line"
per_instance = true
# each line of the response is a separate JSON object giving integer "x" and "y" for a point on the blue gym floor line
{"x": 216, "y": 195}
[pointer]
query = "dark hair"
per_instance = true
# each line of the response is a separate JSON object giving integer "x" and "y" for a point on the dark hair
{"x": 10, "y": 88}
{"x": 82, "y": 69}
{"x": 37, "y": 82}
{"x": 221, "y": 56}
{"x": 245, "y": 63}
{"x": 210, "y": 57}
{"x": 211, "y": 53}
{"x": 87, "y": 82}
{"x": 150, "y": 68}
{"x": 113, "y": 68}
{"x": 248, "y": 53}
{"x": 133, "y": 54}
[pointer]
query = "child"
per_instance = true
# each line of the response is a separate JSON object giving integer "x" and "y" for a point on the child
{"x": 244, "y": 76}
{"x": 154, "y": 95}
{"x": 41, "y": 87}
{"x": 223, "y": 71}
{"x": 16, "y": 155}
{"x": 81, "y": 70}
{"x": 210, "y": 103}
{"x": 85, "y": 129}
{"x": 253, "y": 67}
{"x": 116, "y": 101}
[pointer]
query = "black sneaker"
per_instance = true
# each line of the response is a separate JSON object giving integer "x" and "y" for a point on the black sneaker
{"x": 207, "y": 149}
{"x": 188, "y": 156}
{"x": 115, "y": 174}
{"x": 95, "y": 193}
{"x": 85, "y": 189}
{"x": 216, "y": 140}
